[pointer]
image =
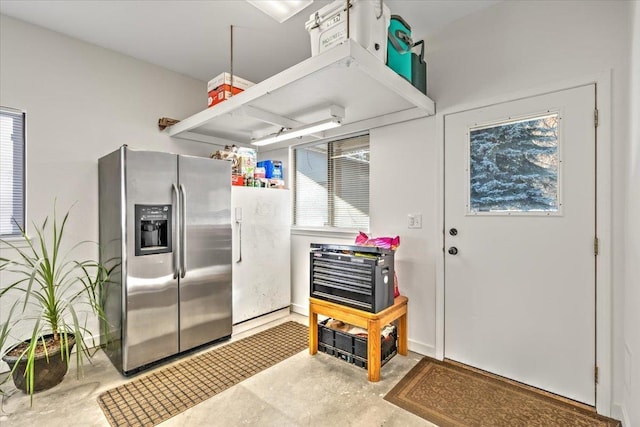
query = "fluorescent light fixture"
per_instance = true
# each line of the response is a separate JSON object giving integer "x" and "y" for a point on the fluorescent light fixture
{"x": 280, "y": 10}
{"x": 331, "y": 123}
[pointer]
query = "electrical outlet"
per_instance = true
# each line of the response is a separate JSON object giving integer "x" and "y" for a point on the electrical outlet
{"x": 415, "y": 221}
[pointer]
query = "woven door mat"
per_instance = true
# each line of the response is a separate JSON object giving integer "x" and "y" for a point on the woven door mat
{"x": 152, "y": 399}
{"x": 448, "y": 394}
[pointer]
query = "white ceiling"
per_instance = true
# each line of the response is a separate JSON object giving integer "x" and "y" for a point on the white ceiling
{"x": 193, "y": 37}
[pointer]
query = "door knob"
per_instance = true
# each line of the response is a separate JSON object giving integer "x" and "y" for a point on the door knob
{"x": 453, "y": 231}
{"x": 453, "y": 250}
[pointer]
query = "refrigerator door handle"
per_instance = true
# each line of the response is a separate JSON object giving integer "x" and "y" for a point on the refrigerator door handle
{"x": 183, "y": 233}
{"x": 239, "y": 241}
{"x": 176, "y": 245}
{"x": 239, "y": 227}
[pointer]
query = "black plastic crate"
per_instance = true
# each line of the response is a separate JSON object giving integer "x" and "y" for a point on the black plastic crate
{"x": 352, "y": 348}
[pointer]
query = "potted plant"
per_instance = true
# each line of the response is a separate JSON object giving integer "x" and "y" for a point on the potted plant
{"x": 54, "y": 295}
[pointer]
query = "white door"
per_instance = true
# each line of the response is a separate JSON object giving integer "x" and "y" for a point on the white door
{"x": 519, "y": 240}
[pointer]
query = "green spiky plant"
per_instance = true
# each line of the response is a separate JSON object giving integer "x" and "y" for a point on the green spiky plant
{"x": 55, "y": 295}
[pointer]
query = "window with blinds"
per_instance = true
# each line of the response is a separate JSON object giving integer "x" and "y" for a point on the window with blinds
{"x": 12, "y": 159}
{"x": 331, "y": 184}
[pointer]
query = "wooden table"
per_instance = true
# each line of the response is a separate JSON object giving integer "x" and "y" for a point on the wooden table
{"x": 372, "y": 322}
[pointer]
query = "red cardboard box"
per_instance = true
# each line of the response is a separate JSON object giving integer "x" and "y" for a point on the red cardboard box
{"x": 237, "y": 180}
{"x": 219, "y": 88}
{"x": 221, "y": 93}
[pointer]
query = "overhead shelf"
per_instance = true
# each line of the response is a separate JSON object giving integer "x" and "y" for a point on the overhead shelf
{"x": 347, "y": 75}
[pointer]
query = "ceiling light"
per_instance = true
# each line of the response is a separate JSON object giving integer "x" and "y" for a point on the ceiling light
{"x": 280, "y": 10}
{"x": 284, "y": 135}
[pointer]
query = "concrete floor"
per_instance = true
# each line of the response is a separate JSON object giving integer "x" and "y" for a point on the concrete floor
{"x": 303, "y": 390}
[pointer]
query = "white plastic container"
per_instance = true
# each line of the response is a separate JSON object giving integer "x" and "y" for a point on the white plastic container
{"x": 368, "y": 26}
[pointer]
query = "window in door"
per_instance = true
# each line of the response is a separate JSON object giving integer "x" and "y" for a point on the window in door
{"x": 12, "y": 171}
{"x": 331, "y": 184}
{"x": 514, "y": 166}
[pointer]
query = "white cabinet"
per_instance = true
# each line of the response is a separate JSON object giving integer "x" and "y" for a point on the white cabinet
{"x": 347, "y": 75}
{"x": 261, "y": 251}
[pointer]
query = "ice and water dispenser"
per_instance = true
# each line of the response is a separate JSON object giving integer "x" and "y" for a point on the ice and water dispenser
{"x": 153, "y": 229}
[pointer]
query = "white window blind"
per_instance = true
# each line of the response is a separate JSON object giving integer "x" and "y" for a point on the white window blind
{"x": 12, "y": 158}
{"x": 331, "y": 184}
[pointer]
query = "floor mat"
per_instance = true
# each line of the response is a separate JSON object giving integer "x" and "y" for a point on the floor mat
{"x": 450, "y": 395}
{"x": 152, "y": 399}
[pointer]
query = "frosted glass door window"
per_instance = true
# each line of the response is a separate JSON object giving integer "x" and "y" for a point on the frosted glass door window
{"x": 514, "y": 167}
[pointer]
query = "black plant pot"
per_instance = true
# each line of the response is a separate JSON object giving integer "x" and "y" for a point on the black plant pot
{"x": 47, "y": 372}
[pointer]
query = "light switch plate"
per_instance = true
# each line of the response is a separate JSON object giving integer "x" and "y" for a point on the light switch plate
{"x": 415, "y": 221}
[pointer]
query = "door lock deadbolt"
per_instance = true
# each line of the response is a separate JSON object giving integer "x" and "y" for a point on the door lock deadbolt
{"x": 453, "y": 231}
{"x": 453, "y": 250}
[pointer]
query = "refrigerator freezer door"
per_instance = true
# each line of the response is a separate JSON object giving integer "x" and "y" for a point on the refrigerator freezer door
{"x": 205, "y": 289}
{"x": 261, "y": 278}
{"x": 151, "y": 291}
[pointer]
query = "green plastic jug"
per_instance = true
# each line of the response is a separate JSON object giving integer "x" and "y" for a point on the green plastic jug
{"x": 399, "y": 47}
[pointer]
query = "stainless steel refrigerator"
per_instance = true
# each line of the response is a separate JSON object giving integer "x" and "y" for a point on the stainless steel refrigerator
{"x": 165, "y": 224}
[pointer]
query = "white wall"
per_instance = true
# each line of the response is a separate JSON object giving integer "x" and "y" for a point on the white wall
{"x": 631, "y": 250}
{"x": 404, "y": 180}
{"x": 83, "y": 102}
